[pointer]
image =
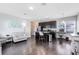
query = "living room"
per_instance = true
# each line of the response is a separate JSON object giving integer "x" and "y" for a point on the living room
{"x": 39, "y": 29}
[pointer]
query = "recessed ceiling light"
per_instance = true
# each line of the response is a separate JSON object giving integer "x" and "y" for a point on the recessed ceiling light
{"x": 31, "y": 8}
{"x": 25, "y": 13}
{"x": 43, "y": 4}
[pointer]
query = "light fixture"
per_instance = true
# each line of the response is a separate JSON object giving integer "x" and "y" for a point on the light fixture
{"x": 31, "y": 8}
{"x": 43, "y": 4}
{"x": 24, "y": 24}
{"x": 25, "y": 13}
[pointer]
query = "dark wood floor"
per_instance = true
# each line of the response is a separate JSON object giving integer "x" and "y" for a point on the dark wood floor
{"x": 30, "y": 47}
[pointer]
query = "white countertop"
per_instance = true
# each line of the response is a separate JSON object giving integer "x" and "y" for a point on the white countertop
{"x": 74, "y": 35}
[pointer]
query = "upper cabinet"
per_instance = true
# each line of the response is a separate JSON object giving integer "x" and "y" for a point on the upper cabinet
{"x": 49, "y": 24}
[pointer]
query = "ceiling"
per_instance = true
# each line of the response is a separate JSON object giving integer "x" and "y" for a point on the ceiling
{"x": 39, "y": 10}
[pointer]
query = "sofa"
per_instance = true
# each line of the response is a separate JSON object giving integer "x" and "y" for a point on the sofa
{"x": 4, "y": 39}
{"x": 19, "y": 36}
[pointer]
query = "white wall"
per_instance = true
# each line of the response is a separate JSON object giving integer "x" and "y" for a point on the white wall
{"x": 78, "y": 23}
{"x": 6, "y": 26}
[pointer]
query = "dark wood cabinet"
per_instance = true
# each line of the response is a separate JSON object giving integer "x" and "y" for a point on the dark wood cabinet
{"x": 49, "y": 24}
